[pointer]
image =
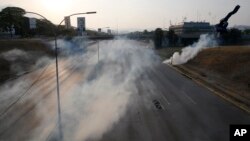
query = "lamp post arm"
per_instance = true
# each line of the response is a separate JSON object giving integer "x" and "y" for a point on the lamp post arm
{"x": 37, "y": 14}
{"x": 54, "y": 29}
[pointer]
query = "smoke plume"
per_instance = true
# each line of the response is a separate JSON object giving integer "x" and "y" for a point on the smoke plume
{"x": 21, "y": 61}
{"x": 191, "y": 51}
{"x": 97, "y": 97}
{"x": 98, "y": 102}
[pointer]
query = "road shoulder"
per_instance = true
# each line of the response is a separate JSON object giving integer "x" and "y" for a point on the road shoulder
{"x": 225, "y": 93}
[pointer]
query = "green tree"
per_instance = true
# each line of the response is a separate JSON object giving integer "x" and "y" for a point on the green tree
{"x": 12, "y": 16}
{"x": 247, "y": 31}
{"x": 233, "y": 36}
{"x": 172, "y": 37}
{"x": 70, "y": 32}
{"x": 45, "y": 27}
{"x": 145, "y": 32}
{"x": 158, "y": 37}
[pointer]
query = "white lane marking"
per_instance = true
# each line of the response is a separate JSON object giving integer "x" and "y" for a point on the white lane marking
{"x": 165, "y": 99}
{"x": 154, "y": 90}
{"x": 189, "y": 98}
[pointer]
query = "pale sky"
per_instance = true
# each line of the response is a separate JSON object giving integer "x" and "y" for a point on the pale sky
{"x": 136, "y": 14}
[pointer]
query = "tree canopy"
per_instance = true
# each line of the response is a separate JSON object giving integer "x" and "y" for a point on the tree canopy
{"x": 11, "y": 16}
{"x": 233, "y": 36}
{"x": 158, "y": 37}
{"x": 172, "y": 37}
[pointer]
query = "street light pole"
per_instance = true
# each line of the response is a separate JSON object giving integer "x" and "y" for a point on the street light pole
{"x": 98, "y": 50}
{"x": 57, "y": 70}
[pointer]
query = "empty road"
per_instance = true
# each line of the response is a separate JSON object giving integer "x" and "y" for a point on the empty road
{"x": 189, "y": 111}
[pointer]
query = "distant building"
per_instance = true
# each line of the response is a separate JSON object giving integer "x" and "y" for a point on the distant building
{"x": 32, "y": 23}
{"x": 67, "y": 22}
{"x": 81, "y": 25}
{"x": 188, "y": 32}
{"x": 109, "y": 31}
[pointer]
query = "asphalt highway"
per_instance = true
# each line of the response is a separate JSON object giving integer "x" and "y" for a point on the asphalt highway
{"x": 189, "y": 111}
{"x": 167, "y": 107}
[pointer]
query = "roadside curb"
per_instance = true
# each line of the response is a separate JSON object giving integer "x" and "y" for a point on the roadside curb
{"x": 221, "y": 92}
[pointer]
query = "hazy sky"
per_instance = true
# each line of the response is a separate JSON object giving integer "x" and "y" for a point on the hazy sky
{"x": 136, "y": 14}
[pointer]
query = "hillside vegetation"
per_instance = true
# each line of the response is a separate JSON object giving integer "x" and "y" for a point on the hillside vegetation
{"x": 229, "y": 66}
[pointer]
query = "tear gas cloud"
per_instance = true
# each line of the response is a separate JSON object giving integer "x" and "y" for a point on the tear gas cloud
{"x": 99, "y": 99}
{"x": 14, "y": 54}
{"x": 22, "y": 61}
{"x": 191, "y": 51}
{"x": 71, "y": 47}
{"x": 96, "y": 104}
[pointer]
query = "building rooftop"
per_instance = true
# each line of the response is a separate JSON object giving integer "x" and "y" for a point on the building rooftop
{"x": 192, "y": 29}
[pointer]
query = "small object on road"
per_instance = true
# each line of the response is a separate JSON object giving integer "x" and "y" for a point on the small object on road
{"x": 157, "y": 104}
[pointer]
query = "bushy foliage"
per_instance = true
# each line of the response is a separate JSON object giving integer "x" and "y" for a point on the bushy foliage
{"x": 12, "y": 17}
{"x": 158, "y": 37}
{"x": 233, "y": 36}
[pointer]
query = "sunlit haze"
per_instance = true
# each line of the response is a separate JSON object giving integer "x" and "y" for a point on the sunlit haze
{"x": 136, "y": 14}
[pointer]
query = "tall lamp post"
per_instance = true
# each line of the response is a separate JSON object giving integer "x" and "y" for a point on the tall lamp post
{"x": 55, "y": 30}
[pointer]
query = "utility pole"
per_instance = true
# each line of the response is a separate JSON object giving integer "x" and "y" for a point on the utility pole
{"x": 57, "y": 70}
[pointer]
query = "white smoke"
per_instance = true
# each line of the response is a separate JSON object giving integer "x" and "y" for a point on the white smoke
{"x": 92, "y": 105}
{"x": 14, "y": 54}
{"x": 191, "y": 51}
{"x": 17, "y": 59}
{"x": 96, "y": 104}
{"x": 11, "y": 90}
{"x": 43, "y": 61}
{"x": 24, "y": 61}
{"x": 72, "y": 46}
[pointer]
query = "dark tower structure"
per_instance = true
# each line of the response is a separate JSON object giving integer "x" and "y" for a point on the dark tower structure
{"x": 222, "y": 26}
